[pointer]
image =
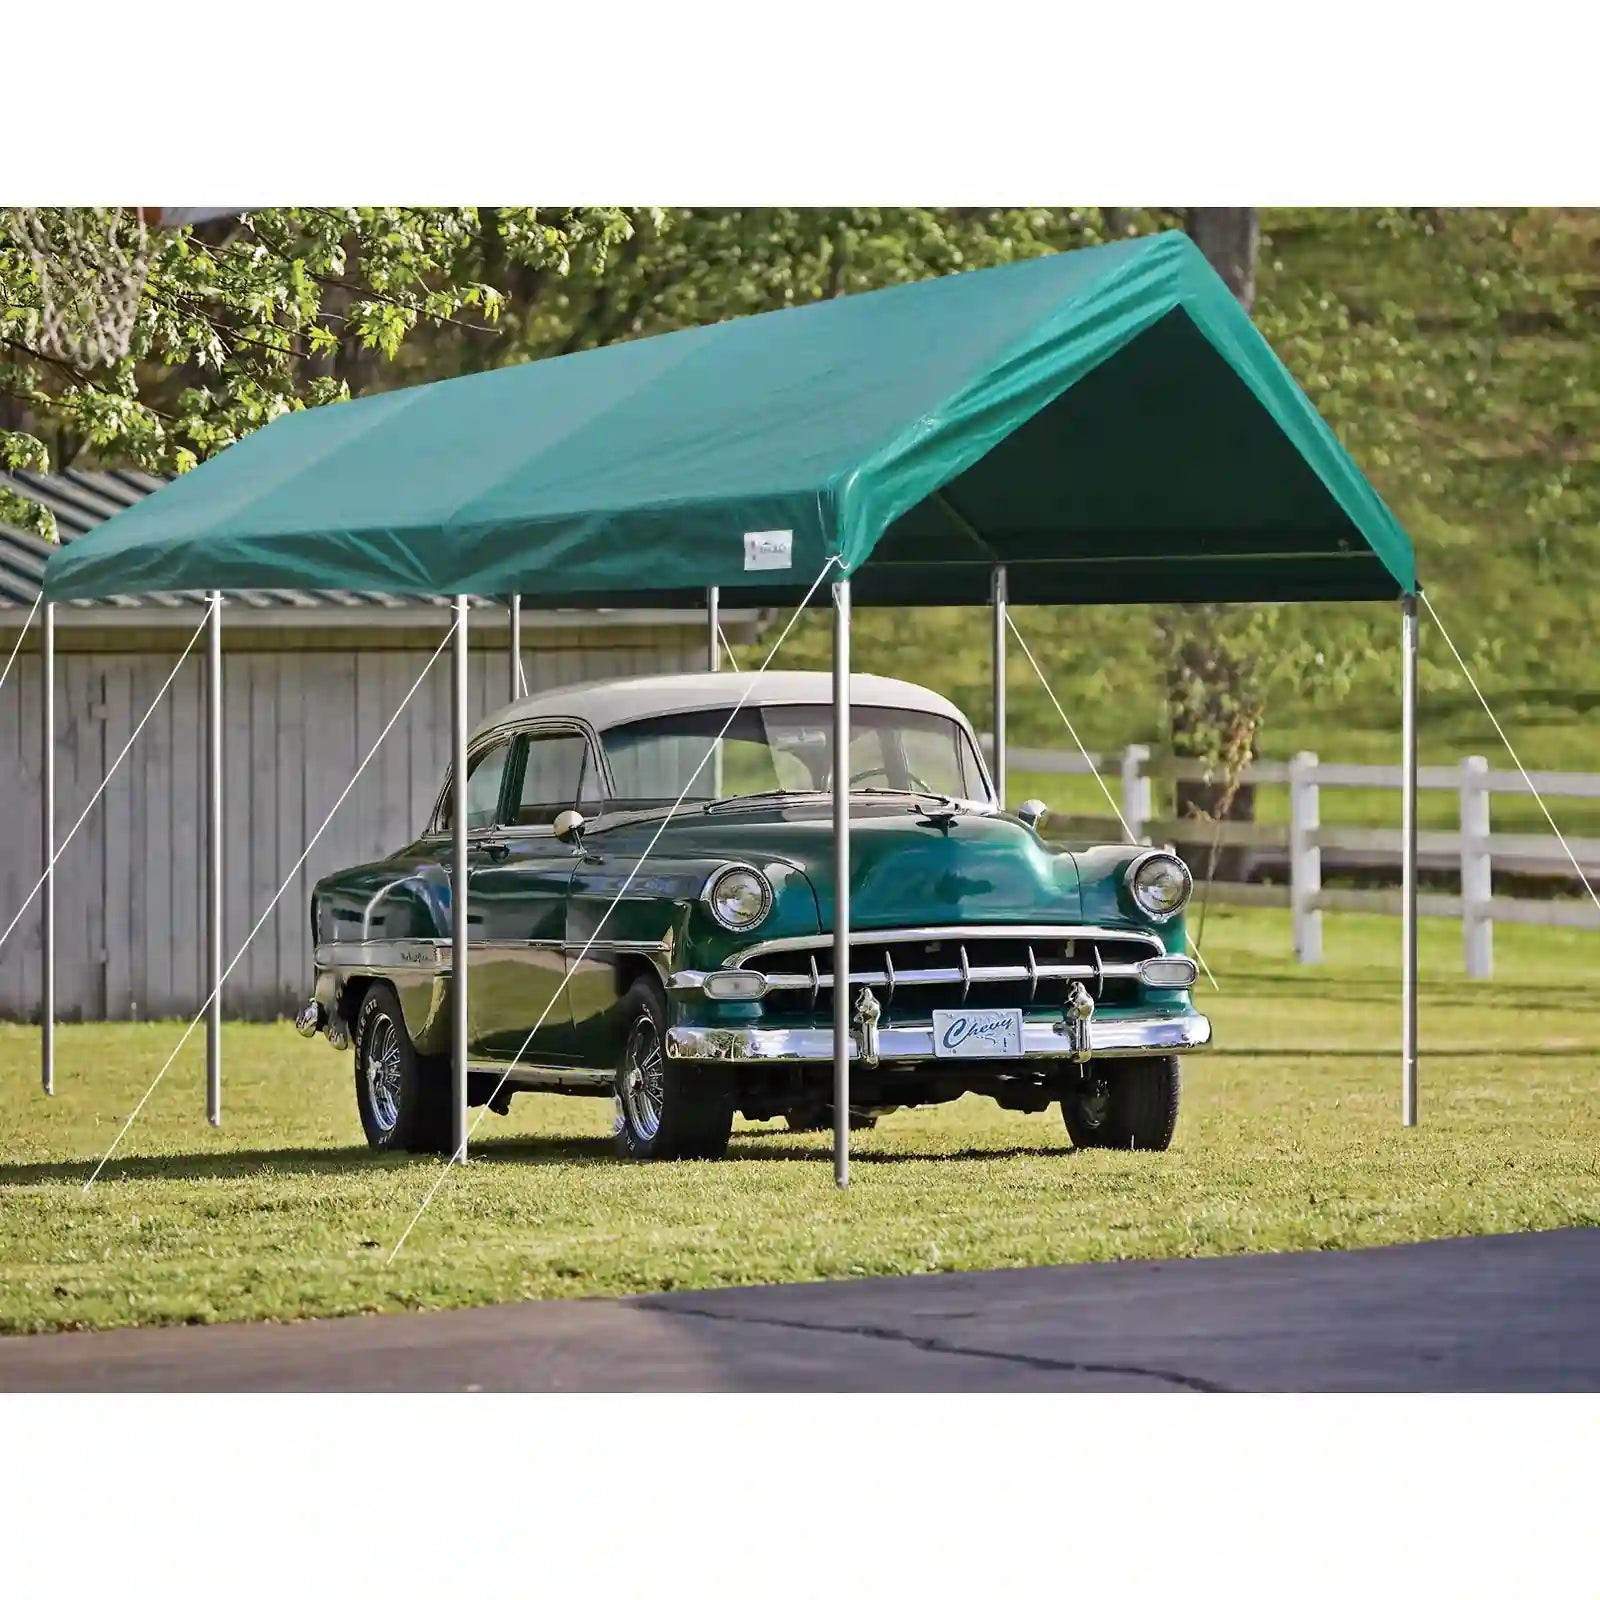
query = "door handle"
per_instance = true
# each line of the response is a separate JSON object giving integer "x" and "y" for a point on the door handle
{"x": 491, "y": 848}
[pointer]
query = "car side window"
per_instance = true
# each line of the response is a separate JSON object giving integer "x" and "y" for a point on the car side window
{"x": 557, "y": 775}
{"x": 486, "y": 770}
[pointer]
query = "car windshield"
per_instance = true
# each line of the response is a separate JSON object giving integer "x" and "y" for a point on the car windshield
{"x": 778, "y": 750}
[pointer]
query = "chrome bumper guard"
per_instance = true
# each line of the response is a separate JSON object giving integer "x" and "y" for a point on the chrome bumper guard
{"x": 1041, "y": 1040}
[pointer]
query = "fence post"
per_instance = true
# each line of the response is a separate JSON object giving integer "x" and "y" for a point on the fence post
{"x": 1305, "y": 858}
{"x": 1136, "y": 805}
{"x": 1477, "y": 928}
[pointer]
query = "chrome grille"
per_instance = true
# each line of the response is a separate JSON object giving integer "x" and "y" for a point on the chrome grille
{"x": 916, "y": 971}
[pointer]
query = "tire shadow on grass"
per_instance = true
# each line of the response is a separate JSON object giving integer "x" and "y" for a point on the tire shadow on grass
{"x": 755, "y": 1144}
{"x": 199, "y": 1164}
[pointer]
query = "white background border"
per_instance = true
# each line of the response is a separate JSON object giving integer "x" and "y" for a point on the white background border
{"x": 826, "y": 104}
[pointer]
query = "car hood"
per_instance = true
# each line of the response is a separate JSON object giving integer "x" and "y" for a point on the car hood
{"x": 905, "y": 867}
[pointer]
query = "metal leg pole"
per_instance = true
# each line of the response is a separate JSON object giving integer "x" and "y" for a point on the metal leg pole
{"x": 458, "y": 884}
{"x": 519, "y": 684}
{"x": 713, "y": 631}
{"x": 998, "y": 606}
{"x": 47, "y": 844}
{"x": 214, "y": 862}
{"x": 1408, "y": 868}
{"x": 841, "y": 884}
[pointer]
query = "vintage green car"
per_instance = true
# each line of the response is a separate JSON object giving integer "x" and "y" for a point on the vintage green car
{"x": 678, "y": 955}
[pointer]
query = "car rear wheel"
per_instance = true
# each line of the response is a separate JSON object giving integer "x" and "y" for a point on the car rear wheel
{"x": 666, "y": 1109}
{"x": 403, "y": 1098}
{"x": 1126, "y": 1105}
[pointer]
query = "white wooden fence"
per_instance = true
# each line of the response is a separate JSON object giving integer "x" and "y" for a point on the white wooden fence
{"x": 1472, "y": 848}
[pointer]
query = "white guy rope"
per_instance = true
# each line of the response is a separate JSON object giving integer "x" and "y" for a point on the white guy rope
{"x": 111, "y": 772}
{"x": 33, "y": 611}
{"x": 261, "y": 920}
{"x": 733, "y": 660}
{"x": 1095, "y": 769}
{"x": 458, "y": 1155}
{"x": 1466, "y": 672}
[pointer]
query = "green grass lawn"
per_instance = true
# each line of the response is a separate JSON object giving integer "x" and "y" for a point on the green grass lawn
{"x": 1289, "y": 1139}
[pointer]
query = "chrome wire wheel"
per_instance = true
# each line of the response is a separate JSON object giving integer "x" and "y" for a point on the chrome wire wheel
{"x": 641, "y": 1088}
{"x": 383, "y": 1072}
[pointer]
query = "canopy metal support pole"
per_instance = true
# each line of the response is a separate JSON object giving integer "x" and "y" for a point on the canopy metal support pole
{"x": 1408, "y": 867}
{"x": 841, "y": 884}
{"x": 214, "y": 860}
{"x": 997, "y": 595}
{"x": 458, "y": 883}
{"x": 47, "y": 845}
{"x": 713, "y": 630}
{"x": 518, "y": 688}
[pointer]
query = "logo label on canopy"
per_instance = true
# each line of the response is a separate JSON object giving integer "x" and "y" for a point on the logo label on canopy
{"x": 769, "y": 551}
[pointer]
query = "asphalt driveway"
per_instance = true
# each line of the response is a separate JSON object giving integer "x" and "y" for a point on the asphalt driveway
{"x": 1506, "y": 1312}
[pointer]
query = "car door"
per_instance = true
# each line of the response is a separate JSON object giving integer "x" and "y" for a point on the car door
{"x": 519, "y": 878}
{"x": 487, "y": 765}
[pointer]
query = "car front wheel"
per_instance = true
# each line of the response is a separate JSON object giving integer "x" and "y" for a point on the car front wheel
{"x": 666, "y": 1109}
{"x": 1126, "y": 1105}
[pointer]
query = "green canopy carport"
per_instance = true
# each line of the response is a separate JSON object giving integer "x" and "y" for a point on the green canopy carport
{"x": 1101, "y": 426}
{"x": 1108, "y": 424}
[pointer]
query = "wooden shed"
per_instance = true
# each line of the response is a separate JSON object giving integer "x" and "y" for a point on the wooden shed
{"x": 309, "y": 680}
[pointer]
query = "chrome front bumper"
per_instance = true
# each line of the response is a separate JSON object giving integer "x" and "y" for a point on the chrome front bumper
{"x": 1107, "y": 1037}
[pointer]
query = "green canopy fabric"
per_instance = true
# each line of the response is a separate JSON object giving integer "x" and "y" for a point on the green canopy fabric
{"x": 1107, "y": 423}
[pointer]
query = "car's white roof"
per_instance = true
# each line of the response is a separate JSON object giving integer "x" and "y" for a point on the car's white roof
{"x": 606, "y": 703}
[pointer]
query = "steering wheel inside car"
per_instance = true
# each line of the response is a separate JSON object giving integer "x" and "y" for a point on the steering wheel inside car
{"x": 879, "y": 772}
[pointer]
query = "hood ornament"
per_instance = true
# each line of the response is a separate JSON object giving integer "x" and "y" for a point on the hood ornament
{"x": 942, "y": 815}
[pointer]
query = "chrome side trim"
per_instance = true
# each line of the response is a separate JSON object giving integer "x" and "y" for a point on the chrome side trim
{"x": 527, "y": 1075}
{"x": 1108, "y": 1038}
{"x": 380, "y": 956}
{"x": 385, "y": 955}
{"x": 649, "y": 947}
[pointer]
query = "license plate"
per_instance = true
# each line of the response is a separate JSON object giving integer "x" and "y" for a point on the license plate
{"x": 977, "y": 1033}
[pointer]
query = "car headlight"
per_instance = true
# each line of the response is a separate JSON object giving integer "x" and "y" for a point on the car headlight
{"x": 738, "y": 897}
{"x": 1160, "y": 885}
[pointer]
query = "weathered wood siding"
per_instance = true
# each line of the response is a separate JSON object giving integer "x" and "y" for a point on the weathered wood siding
{"x": 129, "y": 887}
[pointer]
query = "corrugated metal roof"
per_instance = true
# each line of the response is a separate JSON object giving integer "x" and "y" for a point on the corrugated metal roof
{"x": 83, "y": 500}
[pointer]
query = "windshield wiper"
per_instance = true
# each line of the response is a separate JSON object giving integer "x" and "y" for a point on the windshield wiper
{"x": 914, "y": 794}
{"x": 762, "y": 794}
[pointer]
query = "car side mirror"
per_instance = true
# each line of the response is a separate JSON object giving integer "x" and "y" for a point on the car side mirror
{"x": 1033, "y": 812}
{"x": 569, "y": 826}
